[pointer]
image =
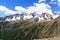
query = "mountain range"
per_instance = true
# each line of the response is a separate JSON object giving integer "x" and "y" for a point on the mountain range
{"x": 26, "y": 16}
{"x": 30, "y": 29}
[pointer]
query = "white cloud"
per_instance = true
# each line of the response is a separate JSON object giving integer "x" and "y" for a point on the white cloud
{"x": 7, "y": 11}
{"x": 48, "y": 6}
{"x": 55, "y": 2}
{"x": 31, "y": 9}
{"x": 59, "y": 4}
{"x": 41, "y": 1}
{"x": 38, "y": 8}
{"x": 58, "y": 1}
{"x": 20, "y": 9}
{"x": 41, "y": 8}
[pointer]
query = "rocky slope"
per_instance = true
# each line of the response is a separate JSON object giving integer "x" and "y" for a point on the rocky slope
{"x": 29, "y": 30}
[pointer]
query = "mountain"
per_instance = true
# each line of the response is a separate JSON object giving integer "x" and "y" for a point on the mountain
{"x": 29, "y": 30}
{"x": 26, "y": 16}
{"x": 2, "y": 19}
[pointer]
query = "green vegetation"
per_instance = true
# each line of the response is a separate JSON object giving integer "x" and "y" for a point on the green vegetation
{"x": 26, "y": 30}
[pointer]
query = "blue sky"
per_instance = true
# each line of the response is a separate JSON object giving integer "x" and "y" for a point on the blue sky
{"x": 10, "y": 4}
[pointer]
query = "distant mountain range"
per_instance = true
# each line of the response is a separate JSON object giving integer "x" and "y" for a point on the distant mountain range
{"x": 25, "y": 16}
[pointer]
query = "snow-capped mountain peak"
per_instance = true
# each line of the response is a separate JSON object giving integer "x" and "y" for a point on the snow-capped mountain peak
{"x": 42, "y": 17}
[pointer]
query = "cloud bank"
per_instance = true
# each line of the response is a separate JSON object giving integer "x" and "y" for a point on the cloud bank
{"x": 38, "y": 8}
{"x": 7, "y": 11}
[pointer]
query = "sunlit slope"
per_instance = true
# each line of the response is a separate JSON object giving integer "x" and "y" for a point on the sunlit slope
{"x": 26, "y": 30}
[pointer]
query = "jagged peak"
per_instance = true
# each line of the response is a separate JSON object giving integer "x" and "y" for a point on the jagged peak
{"x": 25, "y": 16}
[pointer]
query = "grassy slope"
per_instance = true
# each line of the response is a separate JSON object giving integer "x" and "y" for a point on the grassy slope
{"x": 29, "y": 30}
